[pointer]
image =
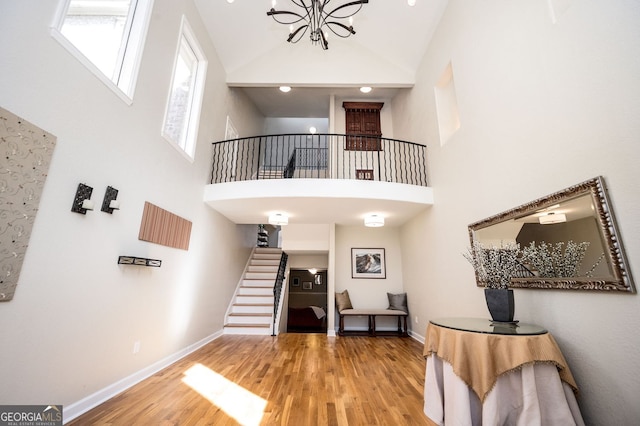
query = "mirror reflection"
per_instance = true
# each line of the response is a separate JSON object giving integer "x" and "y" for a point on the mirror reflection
{"x": 577, "y": 216}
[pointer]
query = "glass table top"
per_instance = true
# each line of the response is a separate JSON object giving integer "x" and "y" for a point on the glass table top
{"x": 483, "y": 325}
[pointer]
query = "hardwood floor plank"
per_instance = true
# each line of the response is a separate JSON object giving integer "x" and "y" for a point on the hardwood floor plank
{"x": 298, "y": 379}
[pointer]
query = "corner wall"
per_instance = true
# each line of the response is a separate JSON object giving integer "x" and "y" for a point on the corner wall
{"x": 71, "y": 329}
{"x": 542, "y": 106}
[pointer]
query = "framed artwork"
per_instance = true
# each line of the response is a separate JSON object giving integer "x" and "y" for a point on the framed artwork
{"x": 368, "y": 263}
{"x": 306, "y": 285}
{"x": 296, "y": 282}
{"x": 318, "y": 279}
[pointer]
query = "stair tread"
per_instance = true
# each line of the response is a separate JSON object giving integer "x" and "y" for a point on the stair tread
{"x": 247, "y": 314}
{"x": 240, "y": 325}
{"x": 253, "y": 304}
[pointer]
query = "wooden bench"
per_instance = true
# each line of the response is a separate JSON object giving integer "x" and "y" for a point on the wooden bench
{"x": 372, "y": 314}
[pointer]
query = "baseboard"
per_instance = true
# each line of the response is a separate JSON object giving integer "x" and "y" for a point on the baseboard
{"x": 416, "y": 336}
{"x": 78, "y": 408}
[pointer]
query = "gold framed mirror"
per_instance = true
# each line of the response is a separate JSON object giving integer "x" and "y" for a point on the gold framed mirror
{"x": 580, "y": 213}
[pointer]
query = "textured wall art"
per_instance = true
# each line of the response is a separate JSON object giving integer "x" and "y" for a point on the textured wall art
{"x": 25, "y": 155}
{"x": 163, "y": 227}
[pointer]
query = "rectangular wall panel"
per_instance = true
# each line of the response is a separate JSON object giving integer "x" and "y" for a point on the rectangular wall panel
{"x": 163, "y": 227}
{"x": 25, "y": 154}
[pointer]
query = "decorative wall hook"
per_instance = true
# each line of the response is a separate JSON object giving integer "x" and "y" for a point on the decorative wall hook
{"x": 82, "y": 201}
{"x": 109, "y": 204}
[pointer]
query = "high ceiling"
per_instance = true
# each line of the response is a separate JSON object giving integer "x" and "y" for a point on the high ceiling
{"x": 390, "y": 41}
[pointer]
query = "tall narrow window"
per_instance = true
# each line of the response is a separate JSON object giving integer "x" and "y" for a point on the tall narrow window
{"x": 107, "y": 36}
{"x": 185, "y": 97}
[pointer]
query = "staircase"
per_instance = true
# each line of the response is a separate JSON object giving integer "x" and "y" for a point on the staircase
{"x": 251, "y": 310}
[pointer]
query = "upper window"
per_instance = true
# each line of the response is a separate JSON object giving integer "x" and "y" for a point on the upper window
{"x": 107, "y": 36}
{"x": 185, "y": 97}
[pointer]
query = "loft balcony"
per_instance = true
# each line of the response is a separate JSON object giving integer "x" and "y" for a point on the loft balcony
{"x": 318, "y": 178}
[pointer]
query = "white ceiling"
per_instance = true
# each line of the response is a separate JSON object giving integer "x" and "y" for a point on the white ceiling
{"x": 390, "y": 41}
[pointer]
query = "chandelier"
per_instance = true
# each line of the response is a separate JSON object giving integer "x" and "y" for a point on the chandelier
{"x": 316, "y": 16}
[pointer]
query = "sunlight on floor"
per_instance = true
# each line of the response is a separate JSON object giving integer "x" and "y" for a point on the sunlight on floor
{"x": 237, "y": 402}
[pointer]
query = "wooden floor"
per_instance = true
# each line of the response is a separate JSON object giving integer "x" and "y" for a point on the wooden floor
{"x": 292, "y": 379}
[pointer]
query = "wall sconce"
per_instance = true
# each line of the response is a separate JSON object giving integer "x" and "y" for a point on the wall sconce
{"x": 109, "y": 204}
{"x": 551, "y": 218}
{"x": 278, "y": 219}
{"x": 82, "y": 201}
{"x": 373, "y": 221}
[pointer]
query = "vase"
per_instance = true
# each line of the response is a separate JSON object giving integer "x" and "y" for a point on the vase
{"x": 500, "y": 303}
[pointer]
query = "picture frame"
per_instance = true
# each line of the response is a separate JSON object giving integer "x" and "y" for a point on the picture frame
{"x": 307, "y": 285}
{"x": 368, "y": 263}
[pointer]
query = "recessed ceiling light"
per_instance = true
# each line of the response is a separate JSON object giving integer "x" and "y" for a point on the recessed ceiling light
{"x": 411, "y": 2}
{"x": 230, "y": 1}
{"x": 285, "y": 89}
{"x": 365, "y": 89}
{"x": 312, "y": 130}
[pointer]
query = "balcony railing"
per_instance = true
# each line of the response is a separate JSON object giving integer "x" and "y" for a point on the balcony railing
{"x": 321, "y": 156}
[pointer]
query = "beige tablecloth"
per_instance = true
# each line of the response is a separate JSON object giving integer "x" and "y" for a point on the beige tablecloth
{"x": 479, "y": 359}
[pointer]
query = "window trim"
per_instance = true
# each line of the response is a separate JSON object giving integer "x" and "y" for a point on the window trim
{"x": 139, "y": 25}
{"x": 199, "y": 80}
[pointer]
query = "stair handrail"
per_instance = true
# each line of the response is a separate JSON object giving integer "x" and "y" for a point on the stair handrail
{"x": 277, "y": 288}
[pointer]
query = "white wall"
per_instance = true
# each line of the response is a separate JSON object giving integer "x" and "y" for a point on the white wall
{"x": 278, "y": 125}
{"x": 70, "y": 330}
{"x": 542, "y": 106}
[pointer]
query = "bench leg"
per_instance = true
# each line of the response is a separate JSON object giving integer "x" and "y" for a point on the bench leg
{"x": 373, "y": 325}
{"x": 341, "y": 325}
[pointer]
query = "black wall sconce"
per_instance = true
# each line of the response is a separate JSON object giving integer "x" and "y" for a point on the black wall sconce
{"x": 109, "y": 204}
{"x": 82, "y": 201}
{"x": 140, "y": 261}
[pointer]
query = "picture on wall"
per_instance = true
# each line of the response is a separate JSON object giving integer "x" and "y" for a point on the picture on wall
{"x": 368, "y": 263}
{"x": 306, "y": 285}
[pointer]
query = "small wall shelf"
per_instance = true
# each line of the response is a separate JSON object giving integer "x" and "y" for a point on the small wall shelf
{"x": 139, "y": 261}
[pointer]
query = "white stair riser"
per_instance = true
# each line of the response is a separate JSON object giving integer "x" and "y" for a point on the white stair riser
{"x": 255, "y": 309}
{"x": 261, "y": 291}
{"x": 264, "y": 262}
{"x": 254, "y": 299}
{"x": 235, "y": 319}
{"x": 248, "y": 330}
{"x": 263, "y": 268}
{"x": 268, "y": 250}
{"x": 266, "y": 256}
{"x": 258, "y": 283}
{"x": 260, "y": 276}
